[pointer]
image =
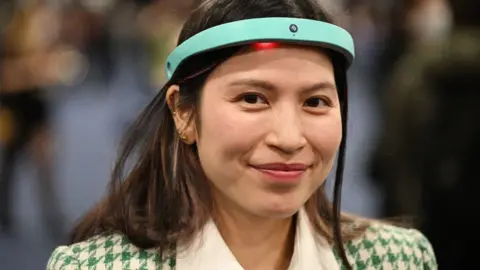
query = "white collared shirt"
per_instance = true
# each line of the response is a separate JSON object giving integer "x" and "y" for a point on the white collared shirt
{"x": 210, "y": 252}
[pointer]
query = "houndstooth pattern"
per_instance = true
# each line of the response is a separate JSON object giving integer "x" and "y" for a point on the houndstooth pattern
{"x": 382, "y": 247}
{"x": 388, "y": 247}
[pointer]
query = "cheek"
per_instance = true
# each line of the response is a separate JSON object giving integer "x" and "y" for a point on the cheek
{"x": 325, "y": 136}
{"x": 229, "y": 131}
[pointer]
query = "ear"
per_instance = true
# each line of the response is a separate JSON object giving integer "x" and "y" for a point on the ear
{"x": 182, "y": 116}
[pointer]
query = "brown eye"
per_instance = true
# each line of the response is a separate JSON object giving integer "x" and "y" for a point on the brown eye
{"x": 315, "y": 102}
{"x": 252, "y": 98}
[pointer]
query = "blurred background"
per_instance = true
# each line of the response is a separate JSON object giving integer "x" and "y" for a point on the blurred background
{"x": 74, "y": 74}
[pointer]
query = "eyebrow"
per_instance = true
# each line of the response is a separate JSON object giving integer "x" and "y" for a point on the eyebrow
{"x": 269, "y": 86}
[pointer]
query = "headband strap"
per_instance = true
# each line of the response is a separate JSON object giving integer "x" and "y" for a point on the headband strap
{"x": 284, "y": 30}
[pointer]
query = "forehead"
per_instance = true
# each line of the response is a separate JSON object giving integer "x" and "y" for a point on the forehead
{"x": 286, "y": 65}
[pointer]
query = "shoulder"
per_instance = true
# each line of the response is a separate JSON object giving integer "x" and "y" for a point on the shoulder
{"x": 384, "y": 246}
{"x": 111, "y": 251}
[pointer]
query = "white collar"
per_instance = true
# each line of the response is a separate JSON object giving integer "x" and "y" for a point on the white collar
{"x": 210, "y": 252}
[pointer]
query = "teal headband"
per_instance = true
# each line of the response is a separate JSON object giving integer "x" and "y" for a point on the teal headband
{"x": 285, "y": 30}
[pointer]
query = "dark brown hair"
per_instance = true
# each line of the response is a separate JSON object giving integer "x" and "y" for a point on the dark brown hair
{"x": 158, "y": 196}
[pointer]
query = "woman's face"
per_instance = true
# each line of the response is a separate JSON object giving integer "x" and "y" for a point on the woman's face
{"x": 270, "y": 127}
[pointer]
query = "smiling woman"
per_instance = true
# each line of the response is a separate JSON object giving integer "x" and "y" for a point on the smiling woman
{"x": 230, "y": 159}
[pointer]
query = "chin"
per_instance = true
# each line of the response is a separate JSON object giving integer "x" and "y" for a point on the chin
{"x": 278, "y": 211}
{"x": 278, "y": 206}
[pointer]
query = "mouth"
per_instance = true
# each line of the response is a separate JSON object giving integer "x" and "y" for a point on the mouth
{"x": 282, "y": 167}
{"x": 281, "y": 172}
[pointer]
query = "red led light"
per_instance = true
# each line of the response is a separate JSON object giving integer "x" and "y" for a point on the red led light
{"x": 265, "y": 45}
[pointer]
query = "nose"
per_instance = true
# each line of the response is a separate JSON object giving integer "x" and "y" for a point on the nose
{"x": 286, "y": 132}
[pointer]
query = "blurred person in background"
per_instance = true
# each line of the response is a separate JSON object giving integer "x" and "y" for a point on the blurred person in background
{"x": 85, "y": 27}
{"x": 412, "y": 24}
{"x": 402, "y": 24}
{"x": 29, "y": 63}
{"x": 429, "y": 152}
{"x": 161, "y": 22}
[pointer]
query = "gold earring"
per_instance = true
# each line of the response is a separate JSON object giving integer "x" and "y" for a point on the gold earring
{"x": 183, "y": 137}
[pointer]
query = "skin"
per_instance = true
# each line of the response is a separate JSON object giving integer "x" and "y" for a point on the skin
{"x": 276, "y": 105}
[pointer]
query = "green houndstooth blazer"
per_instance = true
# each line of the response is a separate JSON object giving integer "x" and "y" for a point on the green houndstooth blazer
{"x": 381, "y": 247}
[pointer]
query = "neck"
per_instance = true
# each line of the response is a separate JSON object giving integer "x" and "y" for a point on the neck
{"x": 257, "y": 242}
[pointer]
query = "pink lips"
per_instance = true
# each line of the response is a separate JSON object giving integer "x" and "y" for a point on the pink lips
{"x": 281, "y": 172}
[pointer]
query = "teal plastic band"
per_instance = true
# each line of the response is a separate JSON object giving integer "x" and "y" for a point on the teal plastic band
{"x": 285, "y": 30}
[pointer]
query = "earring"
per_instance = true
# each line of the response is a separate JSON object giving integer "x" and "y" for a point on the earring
{"x": 183, "y": 137}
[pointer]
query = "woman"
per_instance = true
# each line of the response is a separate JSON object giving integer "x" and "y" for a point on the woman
{"x": 230, "y": 161}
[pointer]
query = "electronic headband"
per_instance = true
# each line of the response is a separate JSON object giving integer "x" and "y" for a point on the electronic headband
{"x": 285, "y": 30}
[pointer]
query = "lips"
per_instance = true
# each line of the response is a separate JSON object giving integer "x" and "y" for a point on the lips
{"x": 282, "y": 167}
{"x": 282, "y": 173}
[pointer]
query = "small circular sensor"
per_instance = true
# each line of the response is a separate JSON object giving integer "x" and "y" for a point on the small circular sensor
{"x": 293, "y": 28}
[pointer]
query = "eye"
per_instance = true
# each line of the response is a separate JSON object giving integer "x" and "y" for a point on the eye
{"x": 316, "y": 102}
{"x": 253, "y": 98}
